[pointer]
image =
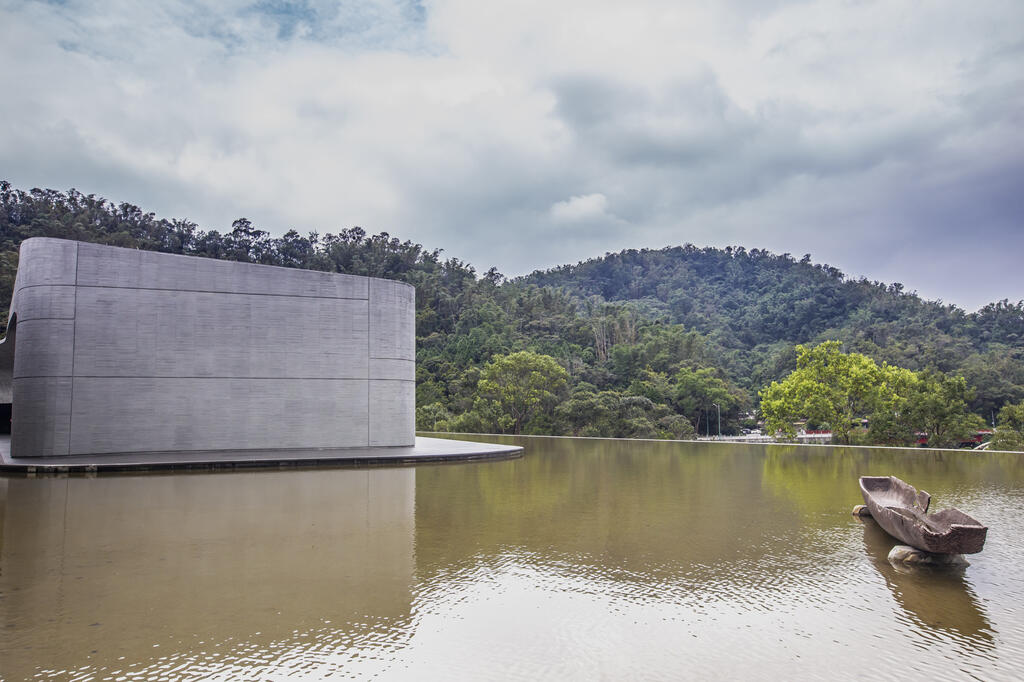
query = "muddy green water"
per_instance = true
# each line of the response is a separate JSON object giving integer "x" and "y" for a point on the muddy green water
{"x": 583, "y": 560}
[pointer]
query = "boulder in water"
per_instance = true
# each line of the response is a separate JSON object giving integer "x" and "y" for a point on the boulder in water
{"x": 905, "y": 554}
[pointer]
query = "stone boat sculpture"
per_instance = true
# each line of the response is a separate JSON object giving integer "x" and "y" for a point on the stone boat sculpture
{"x": 902, "y": 512}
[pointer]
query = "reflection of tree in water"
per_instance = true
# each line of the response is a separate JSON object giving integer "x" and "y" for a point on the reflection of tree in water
{"x": 707, "y": 522}
{"x": 821, "y": 481}
{"x": 618, "y": 507}
{"x": 683, "y": 521}
{"x": 940, "y": 601}
{"x": 814, "y": 481}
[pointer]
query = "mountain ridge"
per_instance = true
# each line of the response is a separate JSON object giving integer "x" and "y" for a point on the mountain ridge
{"x": 734, "y": 312}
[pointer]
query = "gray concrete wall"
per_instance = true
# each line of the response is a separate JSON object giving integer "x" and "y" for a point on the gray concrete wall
{"x": 119, "y": 350}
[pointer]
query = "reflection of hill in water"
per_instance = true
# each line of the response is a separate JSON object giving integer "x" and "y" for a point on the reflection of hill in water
{"x": 245, "y": 570}
{"x": 649, "y": 518}
{"x": 623, "y": 513}
{"x": 215, "y": 569}
{"x": 940, "y": 602}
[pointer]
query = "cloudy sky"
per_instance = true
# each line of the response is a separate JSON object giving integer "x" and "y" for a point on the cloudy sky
{"x": 885, "y": 138}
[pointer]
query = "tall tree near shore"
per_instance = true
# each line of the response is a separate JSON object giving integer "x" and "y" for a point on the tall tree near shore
{"x": 827, "y": 387}
{"x": 926, "y": 403}
{"x": 838, "y": 389}
{"x": 521, "y": 384}
{"x": 938, "y": 407}
{"x": 1010, "y": 433}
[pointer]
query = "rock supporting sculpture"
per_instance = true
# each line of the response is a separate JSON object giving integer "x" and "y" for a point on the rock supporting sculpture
{"x": 902, "y": 512}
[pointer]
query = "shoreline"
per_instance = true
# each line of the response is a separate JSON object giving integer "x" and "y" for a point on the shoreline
{"x": 426, "y": 450}
{"x": 722, "y": 440}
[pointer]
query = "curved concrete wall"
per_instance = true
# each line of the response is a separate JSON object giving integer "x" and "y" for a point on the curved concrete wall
{"x": 119, "y": 350}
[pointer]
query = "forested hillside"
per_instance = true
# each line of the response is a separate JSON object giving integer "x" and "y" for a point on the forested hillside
{"x": 644, "y": 343}
{"x": 752, "y": 304}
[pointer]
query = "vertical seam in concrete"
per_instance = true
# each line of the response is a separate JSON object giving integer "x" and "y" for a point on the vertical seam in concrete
{"x": 74, "y": 333}
{"x": 369, "y": 373}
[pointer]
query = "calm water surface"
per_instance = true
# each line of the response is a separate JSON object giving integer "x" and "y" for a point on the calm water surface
{"x": 583, "y": 560}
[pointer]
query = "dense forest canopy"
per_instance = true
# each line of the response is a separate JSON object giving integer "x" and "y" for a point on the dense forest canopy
{"x": 652, "y": 343}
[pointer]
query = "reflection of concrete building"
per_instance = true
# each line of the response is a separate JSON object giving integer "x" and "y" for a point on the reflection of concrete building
{"x": 113, "y": 350}
{"x": 226, "y": 571}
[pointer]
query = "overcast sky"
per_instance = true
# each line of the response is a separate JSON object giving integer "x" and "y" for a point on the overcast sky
{"x": 885, "y": 138}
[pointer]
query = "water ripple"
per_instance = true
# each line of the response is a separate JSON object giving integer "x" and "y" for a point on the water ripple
{"x": 584, "y": 560}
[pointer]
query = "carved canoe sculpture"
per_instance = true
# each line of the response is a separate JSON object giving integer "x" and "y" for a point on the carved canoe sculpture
{"x": 903, "y": 512}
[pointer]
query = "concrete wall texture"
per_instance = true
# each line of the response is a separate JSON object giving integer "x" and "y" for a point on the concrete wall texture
{"x": 120, "y": 350}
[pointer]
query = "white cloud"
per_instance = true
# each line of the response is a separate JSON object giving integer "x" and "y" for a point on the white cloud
{"x": 826, "y": 126}
{"x": 580, "y": 208}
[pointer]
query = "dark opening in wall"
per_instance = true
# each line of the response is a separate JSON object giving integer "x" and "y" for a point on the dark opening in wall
{"x": 7, "y": 373}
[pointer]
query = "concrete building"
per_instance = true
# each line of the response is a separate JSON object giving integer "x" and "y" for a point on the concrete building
{"x": 113, "y": 350}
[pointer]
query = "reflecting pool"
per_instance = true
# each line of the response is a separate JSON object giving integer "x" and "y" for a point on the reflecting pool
{"x": 585, "y": 559}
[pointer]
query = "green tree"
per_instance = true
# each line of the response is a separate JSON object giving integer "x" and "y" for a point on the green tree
{"x": 828, "y": 387}
{"x": 522, "y": 384}
{"x": 696, "y": 391}
{"x": 927, "y": 402}
{"x": 997, "y": 377}
{"x": 652, "y": 385}
{"x": 937, "y": 405}
{"x": 1010, "y": 432}
{"x": 432, "y": 417}
{"x": 585, "y": 413}
{"x": 676, "y": 426}
{"x": 894, "y": 421}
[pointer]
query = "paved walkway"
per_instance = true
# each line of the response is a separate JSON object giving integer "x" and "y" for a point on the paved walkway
{"x": 425, "y": 450}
